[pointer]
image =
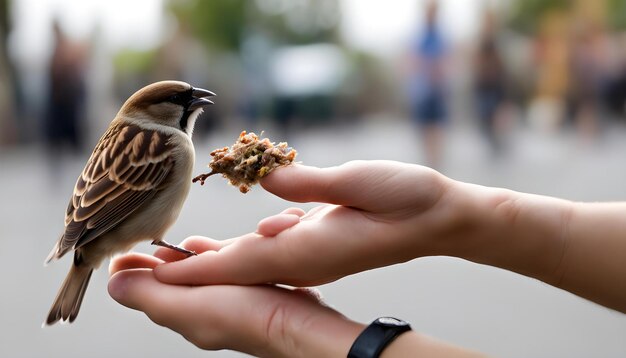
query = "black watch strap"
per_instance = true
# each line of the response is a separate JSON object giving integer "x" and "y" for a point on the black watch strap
{"x": 373, "y": 340}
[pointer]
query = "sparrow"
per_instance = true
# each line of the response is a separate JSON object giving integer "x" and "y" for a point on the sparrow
{"x": 132, "y": 187}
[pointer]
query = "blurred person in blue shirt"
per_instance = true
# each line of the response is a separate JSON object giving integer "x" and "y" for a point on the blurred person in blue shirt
{"x": 427, "y": 86}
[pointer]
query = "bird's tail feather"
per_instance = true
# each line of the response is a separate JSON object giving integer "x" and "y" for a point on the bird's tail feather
{"x": 67, "y": 302}
{"x": 53, "y": 254}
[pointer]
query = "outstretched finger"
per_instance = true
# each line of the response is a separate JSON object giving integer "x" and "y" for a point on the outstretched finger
{"x": 342, "y": 185}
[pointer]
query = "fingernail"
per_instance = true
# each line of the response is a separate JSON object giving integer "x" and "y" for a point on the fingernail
{"x": 118, "y": 286}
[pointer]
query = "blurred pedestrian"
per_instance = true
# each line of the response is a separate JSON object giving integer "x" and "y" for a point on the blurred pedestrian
{"x": 616, "y": 91}
{"x": 490, "y": 84}
{"x": 66, "y": 94}
{"x": 8, "y": 127}
{"x": 589, "y": 62}
{"x": 427, "y": 86}
{"x": 546, "y": 110}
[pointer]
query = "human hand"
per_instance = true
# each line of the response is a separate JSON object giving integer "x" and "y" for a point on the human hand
{"x": 381, "y": 213}
{"x": 259, "y": 320}
{"x": 387, "y": 212}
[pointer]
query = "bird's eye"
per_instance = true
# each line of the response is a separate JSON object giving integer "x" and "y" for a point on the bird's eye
{"x": 173, "y": 98}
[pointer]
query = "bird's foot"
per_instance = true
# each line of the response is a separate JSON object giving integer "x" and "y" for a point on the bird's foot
{"x": 202, "y": 177}
{"x": 174, "y": 247}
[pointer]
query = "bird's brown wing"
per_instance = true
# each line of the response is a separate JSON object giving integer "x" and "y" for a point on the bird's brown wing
{"x": 127, "y": 168}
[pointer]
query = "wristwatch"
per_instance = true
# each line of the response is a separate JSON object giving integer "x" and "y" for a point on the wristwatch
{"x": 373, "y": 340}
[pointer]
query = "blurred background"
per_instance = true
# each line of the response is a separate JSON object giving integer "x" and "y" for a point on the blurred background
{"x": 528, "y": 95}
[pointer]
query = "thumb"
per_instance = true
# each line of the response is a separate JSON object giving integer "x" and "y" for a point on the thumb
{"x": 138, "y": 289}
{"x": 174, "y": 306}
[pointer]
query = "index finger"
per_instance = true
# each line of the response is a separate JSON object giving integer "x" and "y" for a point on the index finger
{"x": 342, "y": 185}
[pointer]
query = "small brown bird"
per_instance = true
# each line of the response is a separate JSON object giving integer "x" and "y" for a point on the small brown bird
{"x": 133, "y": 186}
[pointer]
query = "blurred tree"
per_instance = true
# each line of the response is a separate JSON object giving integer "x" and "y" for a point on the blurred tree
{"x": 617, "y": 14}
{"x": 526, "y": 15}
{"x": 132, "y": 71}
{"x": 299, "y": 22}
{"x": 222, "y": 24}
{"x": 218, "y": 23}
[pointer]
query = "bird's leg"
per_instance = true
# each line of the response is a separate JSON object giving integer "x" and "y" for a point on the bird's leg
{"x": 202, "y": 177}
{"x": 163, "y": 243}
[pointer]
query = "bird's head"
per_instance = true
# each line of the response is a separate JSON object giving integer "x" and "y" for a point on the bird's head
{"x": 171, "y": 103}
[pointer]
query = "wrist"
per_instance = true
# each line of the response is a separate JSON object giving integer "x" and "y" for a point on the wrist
{"x": 377, "y": 336}
{"x": 459, "y": 224}
{"x": 519, "y": 232}
{"x": 319, "y": 334}
{"x": 330, "y": 338}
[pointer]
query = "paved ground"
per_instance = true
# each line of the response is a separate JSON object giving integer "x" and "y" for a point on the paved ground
{"x": 488, "y": 309}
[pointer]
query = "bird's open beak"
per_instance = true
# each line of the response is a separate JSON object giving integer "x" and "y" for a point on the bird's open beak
{"x": 200, "y": 99}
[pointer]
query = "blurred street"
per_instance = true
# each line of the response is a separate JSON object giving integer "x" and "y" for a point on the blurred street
{"x": 494, "y": 311}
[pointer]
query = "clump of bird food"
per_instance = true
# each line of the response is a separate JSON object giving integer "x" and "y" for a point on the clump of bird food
{"x": 248, "y": 160}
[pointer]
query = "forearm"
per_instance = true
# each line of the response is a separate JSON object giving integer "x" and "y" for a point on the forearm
{"x": 594, "y": 259}
{"x": 414, "y": 344}
{"x": 577, "y": 247}
{"x": 333, "y": 335}
{"x": 519, "y": 232}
